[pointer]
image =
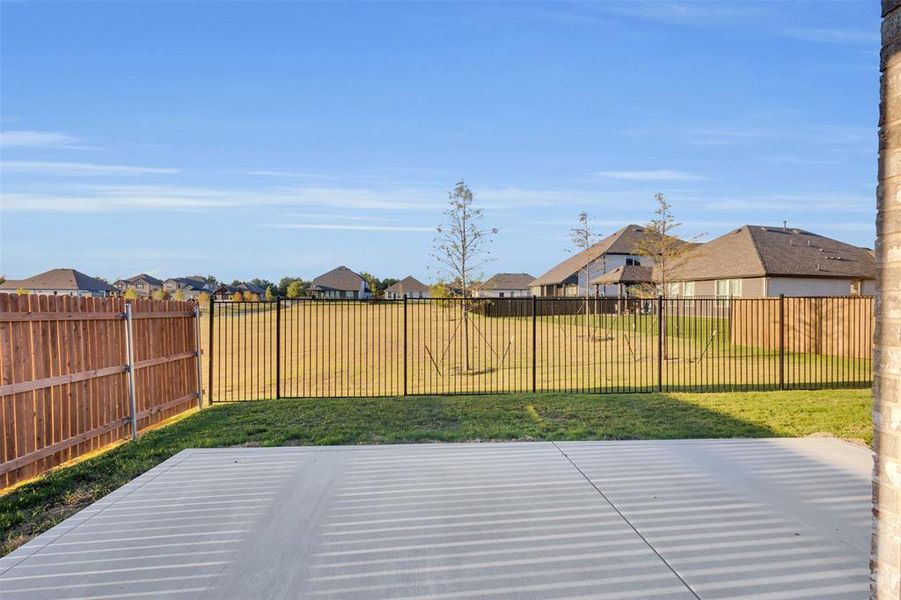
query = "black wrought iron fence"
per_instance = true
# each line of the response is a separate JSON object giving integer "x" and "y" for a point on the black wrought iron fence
{"x": 336, "y": 348}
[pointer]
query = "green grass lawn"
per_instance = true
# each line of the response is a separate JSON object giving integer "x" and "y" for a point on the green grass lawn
{"x": 37, "y": 506}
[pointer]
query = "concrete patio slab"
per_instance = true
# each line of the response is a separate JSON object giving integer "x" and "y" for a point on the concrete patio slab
{"x": 753, "y": 519}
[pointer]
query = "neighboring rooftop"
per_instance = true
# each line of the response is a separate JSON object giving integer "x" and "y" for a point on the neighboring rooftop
{"x": 623, "y": 241}
{"x": 407, "y": 285}
{"x": 144, "y": 276}
{"x": 59, "y": 279}
{"x": 508, "y": 281}
{"x": 339, "y": 279}
{"x": 760, "y": 251}
{"x": 191, "y": 283}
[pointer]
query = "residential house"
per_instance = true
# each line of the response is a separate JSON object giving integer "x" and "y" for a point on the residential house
{"x": 573, "y": 276}
{"x": 340, "y": 282}
{"x": 226, "y": 292}
{"x": 190, "y": 287}
{"x": 408, "y": 286}
{"x": 506, "y": 285}
{"x": 757, "y": 261}
{"x": 143, "y": 284}
{"x": 61, "y": 282}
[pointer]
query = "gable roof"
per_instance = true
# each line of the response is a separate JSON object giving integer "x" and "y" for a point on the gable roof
{"x": 148, "y": 278}
{"x": 760, "y": 251}
{"x": 624, "y": 241}
{"x": 340, "y": 279}
{"x": 626, "y": 274}
{"x": 60, "y": 279}
{"x": 407, "y": 284}
{"x": 191, "y": 283}
{"x": 508, "y": 281}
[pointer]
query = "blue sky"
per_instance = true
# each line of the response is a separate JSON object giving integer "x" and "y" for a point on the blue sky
{"x": 251, "y": 139}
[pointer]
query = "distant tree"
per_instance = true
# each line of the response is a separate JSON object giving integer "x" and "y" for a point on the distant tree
{"x": 236, "y": 282}
{"x": 160, "y": 294}
{"x": 460, "y": 249}
{"x": 270, "y": 295}
{"x": 130, "y": 294}
{"x": 372, "y": 282}
{"x": 21, "y": 292}
{"x": 179, "y": 294}
{"x": 442, "y": 293}
{"x": 665, "y": 250}
{"x": 210, "y": 279}
{"x": 237, "y": 297}
{"x": 284, "y": 282}
{"x": 203, "y": 298}
{"x": 583, "y": 238}
{"x": 387, "y": 282}
{"x": 661, "y": 246}
{"x": 294, "y": 289}
{"x": 261, "y": 283}
{"x": 103, "y": 279}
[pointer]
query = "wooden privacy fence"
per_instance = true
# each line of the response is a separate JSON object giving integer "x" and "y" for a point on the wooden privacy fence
{"x": 70, "y": 384}
{"x": 832, "y": 326}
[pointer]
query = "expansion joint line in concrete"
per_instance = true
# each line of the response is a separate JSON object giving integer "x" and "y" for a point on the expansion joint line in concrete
{"x": 626, "y": 519}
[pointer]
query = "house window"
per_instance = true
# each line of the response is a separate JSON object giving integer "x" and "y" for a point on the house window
{"x": 857, "y": 287}
{"x": 348, "y": 294}
{"x": 726, "y": 289}
{"x": 674, "y": 290}
{"x": 632, "y": 262}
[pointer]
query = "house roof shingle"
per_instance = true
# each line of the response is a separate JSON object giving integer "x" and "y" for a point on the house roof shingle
{"x": 406, "y": 285}
{"x": 623, "y": 241}
{"x": 339, "y": 279}
{"x": 59, "y": 279}
{"x": 191, "y": 283}
{"x": 760, "y": 251}
{"x": 625, "y": 274}
{"x": 508, "y": 281}
{"x": 148, "y": 278}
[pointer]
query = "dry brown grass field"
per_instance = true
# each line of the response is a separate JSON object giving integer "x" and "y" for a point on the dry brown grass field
{"x": 337, "y": 349}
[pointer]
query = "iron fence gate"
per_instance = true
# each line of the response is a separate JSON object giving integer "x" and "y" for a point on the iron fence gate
{"x": 338, "y": 348}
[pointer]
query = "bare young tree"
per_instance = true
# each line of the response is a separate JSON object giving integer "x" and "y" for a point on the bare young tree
{"x": 661, "y": 246}
{"x": 665, "y": 250}
{"x": 583, "y": 237}
{"x": 461, "y": 249}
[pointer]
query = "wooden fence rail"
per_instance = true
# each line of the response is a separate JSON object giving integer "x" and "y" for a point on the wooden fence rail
{"x": 64, "y": 375}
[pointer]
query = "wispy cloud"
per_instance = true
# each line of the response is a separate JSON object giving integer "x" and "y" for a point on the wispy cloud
{"x": 119, "y": 198}
{"x": 680, "y": 13}
{"x": 658, "y": 175}
{"x": 832, "y": 36}
{"x": 80, "y": 169}
{"x": 347, "y": 227}
{"x": 38, "y": 139}
{"x": 793, "y": 203}
{"x": 335, "y": 217}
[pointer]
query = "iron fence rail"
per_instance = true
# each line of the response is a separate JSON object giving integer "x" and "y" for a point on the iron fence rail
{"x": 339, "y": 348}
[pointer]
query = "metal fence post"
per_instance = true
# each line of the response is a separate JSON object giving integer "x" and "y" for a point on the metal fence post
{"x": 781, "y": 341}
{"x": 197, "y": 353}
{"x": 660, "y": 310}
{"x": 534, "y": 345}
{"x": 278, "y": 348}
{"x": 405, "y": 344}
{"x": 130, "y": 369}
{"x": 210, "y": 350}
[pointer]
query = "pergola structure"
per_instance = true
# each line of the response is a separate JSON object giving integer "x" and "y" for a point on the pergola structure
{"x": 885, "y": 561}
{"x": 625, "y": 277}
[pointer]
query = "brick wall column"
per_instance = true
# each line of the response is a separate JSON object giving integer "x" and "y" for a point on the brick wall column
{"x": 886, "y": 551}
